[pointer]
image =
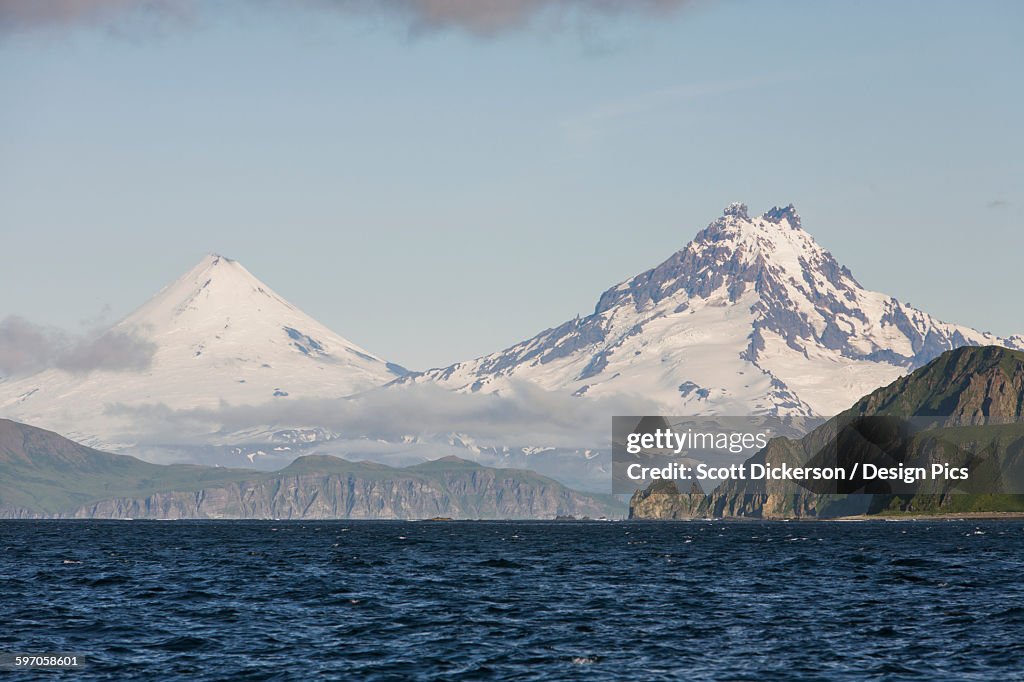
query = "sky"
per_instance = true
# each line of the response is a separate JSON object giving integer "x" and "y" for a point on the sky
{"x": 439, "y": 179}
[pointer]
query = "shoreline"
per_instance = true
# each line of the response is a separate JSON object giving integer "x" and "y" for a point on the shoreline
{"x": 947, "y": 516}
{"x": 962, "y": 516}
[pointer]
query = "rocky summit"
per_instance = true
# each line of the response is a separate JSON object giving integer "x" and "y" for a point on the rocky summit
{"x": 751, "y": 317}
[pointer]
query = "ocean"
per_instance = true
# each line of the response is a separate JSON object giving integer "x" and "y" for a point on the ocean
{"x": 368, "y": 600}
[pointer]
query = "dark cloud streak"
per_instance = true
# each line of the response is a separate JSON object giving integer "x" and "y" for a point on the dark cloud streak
{"x": 491, "y": 17}
{"x": 26, "y": 347}
{"x": 478, "y": 17}
{"x": 112, "y": 351}
{"x": 23, "y": 15}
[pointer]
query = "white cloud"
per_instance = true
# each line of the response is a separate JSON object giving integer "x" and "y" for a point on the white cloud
{"x": 523, "y": 415}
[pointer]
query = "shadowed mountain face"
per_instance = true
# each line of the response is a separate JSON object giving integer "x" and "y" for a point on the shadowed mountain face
{"x": 965, "y": 408}
{"x": 45, "y": 475}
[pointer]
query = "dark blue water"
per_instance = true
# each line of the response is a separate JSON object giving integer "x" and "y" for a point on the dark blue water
{"x": 503, "y": 600}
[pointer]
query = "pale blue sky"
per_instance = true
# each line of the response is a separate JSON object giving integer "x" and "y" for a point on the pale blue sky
{"x": 436, "y": 195}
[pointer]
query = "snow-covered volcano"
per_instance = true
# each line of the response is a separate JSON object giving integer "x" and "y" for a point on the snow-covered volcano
{"x": 751, "y": 317}
{"x": 217, "y": 334}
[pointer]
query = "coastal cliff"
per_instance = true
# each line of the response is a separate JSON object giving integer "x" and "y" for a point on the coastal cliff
{"x": 43, "y": 475}
{"x": 483, "y": 494}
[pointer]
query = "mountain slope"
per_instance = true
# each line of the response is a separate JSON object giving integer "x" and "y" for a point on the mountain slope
{"x": 751, "y": 317}
{"x": 965, "y": 408}
{"x": 220, "y": 335}
{"x": 45, "y": 475}
{"x": 962, "y": 386}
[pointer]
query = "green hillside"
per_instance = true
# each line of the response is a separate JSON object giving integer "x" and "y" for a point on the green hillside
{"x": 965, "y": 408}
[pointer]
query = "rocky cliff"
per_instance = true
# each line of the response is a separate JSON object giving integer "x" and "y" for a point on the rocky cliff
{"x": 482, "y": 494}
{"x": 663, "y": 500}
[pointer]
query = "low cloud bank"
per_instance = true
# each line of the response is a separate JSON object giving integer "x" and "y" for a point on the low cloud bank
{"x": 522, "y": 415}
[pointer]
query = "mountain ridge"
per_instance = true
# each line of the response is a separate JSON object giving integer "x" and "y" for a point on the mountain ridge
{"x": 44, "y": 475}
{"x": 803, "y": 334}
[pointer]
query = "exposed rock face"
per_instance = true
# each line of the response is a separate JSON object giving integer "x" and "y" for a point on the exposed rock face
{"x": 481, "y": 495}
{"x": 779, "y": 499}
{"x": 981, "y": 389}
{"x": 663, "y": 500}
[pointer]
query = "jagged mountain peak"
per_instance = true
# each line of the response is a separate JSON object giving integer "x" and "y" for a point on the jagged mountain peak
{"x": 752, "y": 316}
{"x": 736, "y": 209}
{"x": 787, "y": 213}
{"x": 734, "y": 254}
{"x": 219, "y": 267}
{"x": 776, "y": 236}
{"x": 776, "y": 214}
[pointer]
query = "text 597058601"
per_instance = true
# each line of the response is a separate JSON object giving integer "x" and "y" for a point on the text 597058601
{"x": 40, "y": 661}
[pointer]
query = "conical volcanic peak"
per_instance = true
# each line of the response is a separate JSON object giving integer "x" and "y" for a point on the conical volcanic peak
{"x": 215, "y": 286}
{"x": 219, "y": 313}
{"x": 220, "y": 336}
{"x": 752, "y": 316}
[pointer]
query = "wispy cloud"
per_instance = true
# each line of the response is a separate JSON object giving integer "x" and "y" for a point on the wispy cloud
{"x": 26, "y": 347}
{"x": 998, "y": 203}
{"x": 588, "y": 125}
{"x": 478, "y": 17}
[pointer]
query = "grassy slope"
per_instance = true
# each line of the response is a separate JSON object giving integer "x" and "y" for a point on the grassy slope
{"x": 963, "y": 383}
{"x": 42, "y": 471}
{"x": 948, "y": 386}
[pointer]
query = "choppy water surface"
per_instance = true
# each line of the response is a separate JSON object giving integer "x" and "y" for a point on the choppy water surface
{"x": 523, "y": 600}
